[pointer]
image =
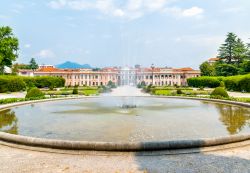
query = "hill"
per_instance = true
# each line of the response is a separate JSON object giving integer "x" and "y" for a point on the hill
{"x": 72, "y": 65}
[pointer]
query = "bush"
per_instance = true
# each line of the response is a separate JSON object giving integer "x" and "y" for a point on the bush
{"x": 232, "y": 83}
{"x": 222, "y": 84}
{"x": 49, "y": 82}
{"x": 34, "y": 93}
{"x": 11, "y": 83}
{"x": 16, "y": 84}
{"x": 244, "y": 84}
{"x": 219, "y": 92}
{"x": 179, "y": 91}
{"x": 204, "y": 81}
{"x": 75, "y": 90}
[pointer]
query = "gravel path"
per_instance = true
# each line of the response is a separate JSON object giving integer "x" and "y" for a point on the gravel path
{"x": 12, "y": 95}
{"x": 14, "y": 160}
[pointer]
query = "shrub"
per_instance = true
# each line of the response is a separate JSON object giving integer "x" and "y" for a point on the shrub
{"x": 204, "y": 81}
{"x": 16, "y": 84}
{"x": 244, "y": 84}
{"x": 222, "y": 84}
{"x": 179, "y": 91}
{"x": 232, "y": 82}
{"x": 75, "y": 90}
{"x": 49, "y": 82}
{"x": 34, "y": 93}
{"x": 11, "y": 83}
{"x": 30, "y": 81}
{"x": 219, "y": 92}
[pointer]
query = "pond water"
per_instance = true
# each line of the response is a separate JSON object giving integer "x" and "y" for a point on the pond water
{"x": 106, "y": 119}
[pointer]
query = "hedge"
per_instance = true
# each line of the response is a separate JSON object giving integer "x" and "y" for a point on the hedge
{"x": 34, "y": 93}
{"x": 10, "y": 83}
{"x": 219, "y": 91}
{"x": 233, "y": 83}
{"x": 204, "y": 81}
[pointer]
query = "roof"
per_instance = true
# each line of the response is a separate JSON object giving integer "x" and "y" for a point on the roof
{"x": 184, "y": 69}
{"x": 213, "y": 59}
{"x": 48, "y": 69}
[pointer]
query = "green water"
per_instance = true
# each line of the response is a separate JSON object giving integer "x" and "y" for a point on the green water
{"x": 104, "y": 119}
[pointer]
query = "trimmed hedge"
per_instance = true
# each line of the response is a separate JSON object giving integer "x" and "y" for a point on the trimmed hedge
{"x": 34, "y": 93}
{"x": 10, "y": 83}
{"x": 232, "y": 83}
{"x": 204, "y": 81}
{"x": 219, "y": 91}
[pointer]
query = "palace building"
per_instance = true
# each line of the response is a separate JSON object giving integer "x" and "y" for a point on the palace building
{"x": 118, "y": 75}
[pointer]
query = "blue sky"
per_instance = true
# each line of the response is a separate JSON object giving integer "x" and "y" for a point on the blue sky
{"x": 175, "y": 33}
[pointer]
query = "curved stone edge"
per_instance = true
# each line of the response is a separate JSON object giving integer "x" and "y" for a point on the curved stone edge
{"x": 9, "y": 105}
{"x": 244, "y": 104}
{"x": 112, "y": 146}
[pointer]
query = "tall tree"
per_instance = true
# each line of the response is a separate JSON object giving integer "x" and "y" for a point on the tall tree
{"x": 8, "y": 48}
{"x": 33, "y": 65}
{"x": 240, "y": 52}
{"x": 207, "y": 69}
{"x": 226, "y": 51}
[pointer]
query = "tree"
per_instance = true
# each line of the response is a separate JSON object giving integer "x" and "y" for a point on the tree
{"x": 8, "y": 48}
{"x": 207, "y": 69}
{"x": 239, "y": 52}
{"x": 33, "y": 65}
{"x": 226, "y": 51}
{"x": 111, "y": 84}
{"x": 226, "y": 70}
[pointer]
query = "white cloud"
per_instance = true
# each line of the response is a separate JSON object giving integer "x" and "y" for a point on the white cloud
{"x": 195, "y": 12}
{"x": 130, "y": 9}
{"x": 155, "y": 4}
{"x": 46, "y": 53}
{"x": 134, "y": 5}
{"x": 57, "y": 4}
{"x": 119, "y": 13}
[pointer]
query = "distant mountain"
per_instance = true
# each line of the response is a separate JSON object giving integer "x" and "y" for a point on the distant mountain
{"x": 72, "y": 65}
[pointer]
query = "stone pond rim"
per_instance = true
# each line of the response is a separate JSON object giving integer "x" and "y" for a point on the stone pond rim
{"x": 123, "y": 146}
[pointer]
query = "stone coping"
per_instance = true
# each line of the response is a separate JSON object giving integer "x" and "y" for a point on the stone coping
{"x": 123, "y": 146}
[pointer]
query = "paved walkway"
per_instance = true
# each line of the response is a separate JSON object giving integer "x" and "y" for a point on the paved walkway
{"x": 14, "y": 160}
{"x": 12, "y": 95}
{"x": 239, "y": 94}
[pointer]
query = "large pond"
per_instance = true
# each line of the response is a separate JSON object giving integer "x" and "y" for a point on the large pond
{"x": 105, "y": 119}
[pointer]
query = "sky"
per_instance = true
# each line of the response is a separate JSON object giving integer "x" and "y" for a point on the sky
{"x": 173, "y": 33}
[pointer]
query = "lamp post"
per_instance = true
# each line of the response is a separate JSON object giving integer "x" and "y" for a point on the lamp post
{"x": 152, "y": 67}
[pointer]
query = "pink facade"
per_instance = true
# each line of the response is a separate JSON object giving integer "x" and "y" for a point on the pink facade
{"x": 120, "y": 76}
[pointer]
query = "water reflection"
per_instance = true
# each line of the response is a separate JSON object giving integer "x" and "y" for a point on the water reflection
{"x": 8, "y": 121}
{"x": 234, "y": 118}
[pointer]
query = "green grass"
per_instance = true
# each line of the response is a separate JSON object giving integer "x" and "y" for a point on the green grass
{"x": 173, "y": 92}
{"x": 86, "y": 91}
{"x": 163, "y": 92}
{"x": 13, "y": 100}
{"x": 89, "y": 92}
